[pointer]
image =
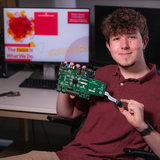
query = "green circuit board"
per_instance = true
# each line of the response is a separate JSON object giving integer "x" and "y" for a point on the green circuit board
{"x": 79, "y": 82}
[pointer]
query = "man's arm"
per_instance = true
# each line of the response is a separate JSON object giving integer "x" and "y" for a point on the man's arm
{"x": 65, "y": 107}
{"x": 135, "y": 116}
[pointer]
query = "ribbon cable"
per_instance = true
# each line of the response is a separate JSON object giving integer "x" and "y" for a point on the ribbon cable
{"x": 116, "y": 101}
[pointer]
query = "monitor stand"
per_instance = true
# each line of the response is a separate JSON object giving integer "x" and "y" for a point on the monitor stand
{"x": 49, "y": 72}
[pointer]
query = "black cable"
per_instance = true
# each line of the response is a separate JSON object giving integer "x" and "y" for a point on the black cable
{"x": 4, "y": 94}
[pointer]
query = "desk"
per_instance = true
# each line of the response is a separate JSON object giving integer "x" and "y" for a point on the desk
{"x": 31, "y": 104}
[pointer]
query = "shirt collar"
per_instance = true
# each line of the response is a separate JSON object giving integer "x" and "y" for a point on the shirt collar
{"x": 146, "y": 77}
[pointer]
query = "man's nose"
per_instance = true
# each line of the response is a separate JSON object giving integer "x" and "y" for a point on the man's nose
{"x": 124, "y": 43}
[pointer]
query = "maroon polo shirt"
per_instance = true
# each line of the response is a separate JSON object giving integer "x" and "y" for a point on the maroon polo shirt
{"x": 106, "y": 131}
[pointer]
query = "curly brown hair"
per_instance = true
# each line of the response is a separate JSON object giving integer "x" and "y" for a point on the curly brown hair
{"x": 124, "y": 21}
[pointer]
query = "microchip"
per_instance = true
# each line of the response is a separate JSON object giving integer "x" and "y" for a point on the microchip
{"x": 90, "y": 73}
{"x": 78, "y": 71}
{"x": 75, "y": 81}
{"x": 83, "y": 73}
{"x": 70, "y": 89}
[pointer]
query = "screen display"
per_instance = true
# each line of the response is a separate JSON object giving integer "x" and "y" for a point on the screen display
{"x": 46, "y": 35}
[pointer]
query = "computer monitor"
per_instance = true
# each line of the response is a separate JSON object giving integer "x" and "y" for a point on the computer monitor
{"x": 46, "y": 35}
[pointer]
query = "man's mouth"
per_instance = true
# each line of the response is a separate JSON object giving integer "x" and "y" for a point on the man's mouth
{"x": 125, "y": 54}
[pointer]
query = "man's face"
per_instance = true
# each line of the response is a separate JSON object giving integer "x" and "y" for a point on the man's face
{"x": 127, "y": 49}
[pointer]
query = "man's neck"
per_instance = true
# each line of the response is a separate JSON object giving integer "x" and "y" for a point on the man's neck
{"x": 135, "y": 71}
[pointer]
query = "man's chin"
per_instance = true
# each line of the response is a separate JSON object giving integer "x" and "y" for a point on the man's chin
{"x": 126, "y": 65}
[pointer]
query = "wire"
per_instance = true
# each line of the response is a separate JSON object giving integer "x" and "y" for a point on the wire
{"x": 118, "y": 102}
{"x": 110, "y": 97}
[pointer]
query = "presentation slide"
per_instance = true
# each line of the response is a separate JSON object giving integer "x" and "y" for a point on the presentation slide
{"x": 46, "y": 35}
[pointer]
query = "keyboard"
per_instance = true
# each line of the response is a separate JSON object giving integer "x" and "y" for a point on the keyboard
{"x": 39, "y": 83}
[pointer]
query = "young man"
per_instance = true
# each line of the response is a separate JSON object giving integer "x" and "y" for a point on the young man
{"x": 108, "y": 128}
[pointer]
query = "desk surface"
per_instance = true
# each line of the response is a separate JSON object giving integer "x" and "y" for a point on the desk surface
{"x": 39, "y": 101}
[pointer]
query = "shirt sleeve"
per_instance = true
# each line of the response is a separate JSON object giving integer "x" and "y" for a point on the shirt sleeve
{"x": 81, "y": 104}
{"x": 158, "y": 125}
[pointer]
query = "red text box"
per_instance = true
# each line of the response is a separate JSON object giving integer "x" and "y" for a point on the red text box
{"x": 46, "y": 23}
{"x": 78, "y": 17}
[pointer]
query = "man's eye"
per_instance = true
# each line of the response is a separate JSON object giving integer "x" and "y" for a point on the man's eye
{"x": 115, "y": 39}
{"x": 132, "y": 37}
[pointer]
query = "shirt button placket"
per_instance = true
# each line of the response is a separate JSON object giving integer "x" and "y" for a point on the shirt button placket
{"x": 121, "y": 84}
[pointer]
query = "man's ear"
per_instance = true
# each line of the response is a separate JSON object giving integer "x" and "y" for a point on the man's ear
{"x": 145, "y": 42}
{"x": 107, "y": 45}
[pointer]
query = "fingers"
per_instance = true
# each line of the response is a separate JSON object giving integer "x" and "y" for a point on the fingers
{"x": 125, "y": 100}
{"x": 84, "y": 67}
{"x": 135, "y": 112}
{"x": 132, "y": 103}
{"x": 133, "y": 106}
{"x": 65, "y": 62}
{"x": 124, "y": 112}
{"x": 77, "y": 65}
{"x": 72, "y": 97}
{"x": 121, "y": 109}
